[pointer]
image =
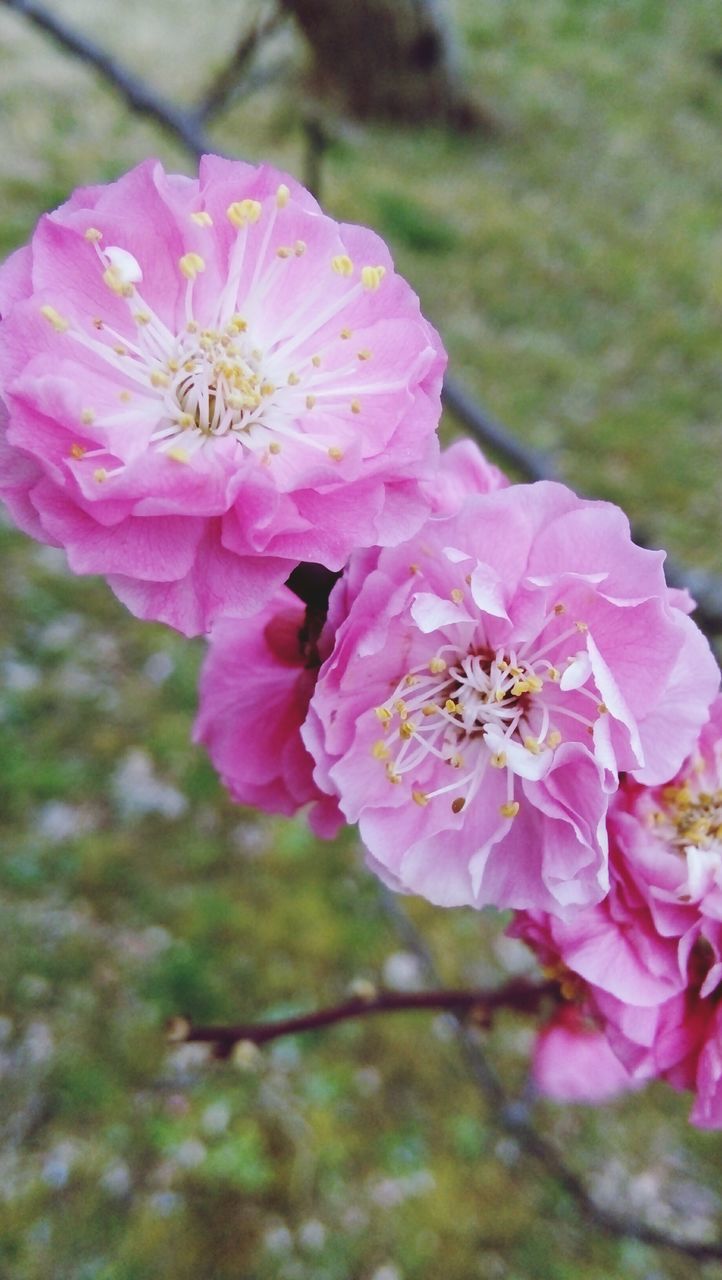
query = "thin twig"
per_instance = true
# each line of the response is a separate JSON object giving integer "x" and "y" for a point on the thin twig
{"x": 226, "y": 82}
{"x": 525, "y": 997}
{"x": 136, "y": 92}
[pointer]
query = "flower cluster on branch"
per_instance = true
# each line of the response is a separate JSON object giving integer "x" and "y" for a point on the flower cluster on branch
{"x": 227, "y": 404}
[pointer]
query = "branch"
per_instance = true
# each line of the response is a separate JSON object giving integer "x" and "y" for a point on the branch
{"x": 524, "y": 997}
{"x": 135, "y": 91}
{"x": 225, "y": 83}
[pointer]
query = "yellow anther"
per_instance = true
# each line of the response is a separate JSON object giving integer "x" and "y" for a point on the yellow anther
{"x": 241, "y": 212}
{"x": 401, "y": 707}
{"x": 383, "y": 714}
{"x": 342, "y": 265}
{"x": 410, "y": 680}
{"x": 560, "y": 609}
{"x": 414, "y": 568}
{"x": 457, "y": 595}
{"x": 602, "y": 708}
{"x": 371, "y": 277}
{"x": 310, "y": 401}
{"x": 581, "y": 626}
{"x": 141, "y": 317}
{"x": 391, "y": 773}
{"x": 498, "y": 759}
{"x": 293, "y": 379}
{"x": 120, "y": 351}
{"x": 274, "y": 447}
{"x": 300, "y": 248}
{"x": 186, "y": 420}
{"x": 499, "y": 695}
{"x": 93, "y": 235}
{"x": 346, "y": 334}
{"x": 509, "y": 810}
{"x": 59, "y": 323}
{"x": 316, "y": 361}
{"x": 456, "y": 761}
{"x": 407, "y": 730}
{"x": 554, "y": 738}
{"x": 116, "y": 282}
{"x": 452, "y": 707}
{"x": 284, "y": 251}
{"x": 238, "y": 324}
{"x": 77, "y": 451}
{"x": 283, "y": 195}
{"x": 202, "y": 219}
{"x": 192, "y": 326}
{"x": 191, "y": 264}
{"x": 355, "y": 406}
{"x": 552, "y": 674}
{"x": 436, "y": 666}
{"x": 100, "y": 475}
{"x": 532, "y": 745}
{"x": 173, "y": 365}
{"x": 178, "y": 455}
{"x": 457, "y": 804}
{"x": 98, "y": 323}
{"x": 536, "y": 684}
{"x": 125, "y": 396}
{"x": 87, "y": 416}
{"x": 380, "y": 751}
{"x": 267, "y": 388}
{"x": 365, "y": 354}
{"x": 335, "y": 453}
{"x": 429, "y": 709}
{"x": 420, "y": 798}
{"x": 159, "y": 379}
{"x": 520, "y": 687}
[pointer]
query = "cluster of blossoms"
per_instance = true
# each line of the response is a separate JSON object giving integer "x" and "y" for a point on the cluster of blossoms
{"x": 211, "y": 394}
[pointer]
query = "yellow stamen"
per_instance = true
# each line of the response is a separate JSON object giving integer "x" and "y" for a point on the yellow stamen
{"x": 159, "y": 379}
{"x": 241, "y": 212}
{"x": 429, "y": 709}
{"x": 125, "y": 396}
{"x": 457, "y": 595}
{"x": 293, "y": 379}
{"x": 202, "y": 219}
{"x": 274, "y": 447}
{"x": 355, "y": 406}
{"x": 498, "y": 760}
{"x": 554, "y": 738}
{"x": 310, "y": 401}
{"x": 371, "y": 277}
{"x": 86, "y": 417}
{"x": 77, "y": 451}
{"x": 509, "y": 810}
{"x": 284, "y": 251}
{"x": 115, "y": 281}
{"x": 177, "y": 455}
{"x": 407, "y": 729}
{"x": 380, "y": 751}
{"x": 420, "y": 798}
{"x": 191, "y": 264}
{"x": 345, "y": 334}
{"x": 532, "y": 745}
{"x": 581, "y": 626}
{"x": 383, "y": 714}
{"x": 299, "y": 248}
{"x": 535, "y": 683}
{"x": 59, "y": 323}
{"x": 342, "y": 265}
{"x": 363, "y": 355}
{"x": 283, "y": 195}
{"x": 93, "y": 235}
{"x": 436, "y": 666}
{"x": 335, "y": 453}
{"x": 316, "y": 361}
{"x": 100, "y": 475}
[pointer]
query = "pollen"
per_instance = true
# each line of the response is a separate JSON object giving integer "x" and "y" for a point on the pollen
{"x": 554, "y": 738}
{"x": 535, "y": 683}
{"x": 238, "y": 324}
{"x": 241, "y": 212}
{"x": 498, "y": 759}
{"x": 407, "y": 730}
{"x": 452, "y": 707}
{"x": 342, "y": 265}
{"x": 284, "y": 251}
{"x": 391, "y": 773}
{"x": 371, "y": 277}
{"x": 520, "y": 687}
{"x": 365, "y": 354}
{"x": 532, "y": 745}
{"x": 159, "y": 379}
{"x": 274, "y": 447}
{"x": 100, "y": 475}
{"x": 125, "y": 396}
{"x": 283, "y": 195}
{"x": 310, "y": 401}
{"x": 581, "y": 626}
{"x": 300, "y": 248}
{"x": 559, "y": 609}
{"x": 202, "y": 219}
{"x": 602, "y": 708}
{"x": 142, "y": 317}
{"x": 383, "y": 714}
{"x": 335, "y": 453}
{"x": 177, "y": 455}
{"x": 402, "y": 709}
{"x": 345, "y": 334}
{"x": 552, "y": 674}
{"x": 293, "y": 379}
{"x": 316, "y": 362}
{"x": 509, "y": 810}
{"x": 429, "y": 709}
{"x": 436, "y": 666}
{"x": 191, "y": 264}
{"x": 355, "y": 406}
{"x": 420, "y": 798}
{"x": 457, "y": 595}
{"x": 93, "y": 235}
{"x": 87, "y": 416}
{"x": 53, "y": 317}
{"x": 77, "y": 451}
{"x": 380, "y": 751}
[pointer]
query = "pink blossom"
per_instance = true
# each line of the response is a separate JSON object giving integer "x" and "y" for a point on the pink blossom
{"x": 490, "y": 680}
{"x": 207, "y": 381}
{"x": 254, "y": 692}
{"x": 573, "y": 1062}
{"x": 646, "y": 964}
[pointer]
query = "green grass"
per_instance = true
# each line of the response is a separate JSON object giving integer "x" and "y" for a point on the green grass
{"x": 573, "y": 266}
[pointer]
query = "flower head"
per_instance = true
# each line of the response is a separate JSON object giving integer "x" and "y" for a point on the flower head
{"x": 646, "y": 963}
{"x": 492, "y": 678}
{"x": 207, "y": 381}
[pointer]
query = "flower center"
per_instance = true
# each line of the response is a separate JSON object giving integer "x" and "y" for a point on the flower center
{"x": 691, "y": 818}
{"x": 487, "y": 708}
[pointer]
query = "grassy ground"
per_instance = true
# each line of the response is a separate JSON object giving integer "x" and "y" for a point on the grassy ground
{"x": 573, "y": 267}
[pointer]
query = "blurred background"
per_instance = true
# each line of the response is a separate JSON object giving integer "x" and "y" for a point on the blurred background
{"x": 547, "y": 175}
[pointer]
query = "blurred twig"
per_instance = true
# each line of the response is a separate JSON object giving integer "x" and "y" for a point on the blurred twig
{"x": 227, "y": 81}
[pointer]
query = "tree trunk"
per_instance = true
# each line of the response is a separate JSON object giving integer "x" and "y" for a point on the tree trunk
{"x": 388, "y": 60}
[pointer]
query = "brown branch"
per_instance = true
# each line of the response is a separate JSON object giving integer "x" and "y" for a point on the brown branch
{"x": 480, "y": 1006}
{"x": 228, "y": 80}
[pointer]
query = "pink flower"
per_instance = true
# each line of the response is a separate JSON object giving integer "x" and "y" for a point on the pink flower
{"x": 492, "y": 678}
{"x": 646, "y": 964}
{"x": 574, "y": 1063}
{"x": 207, "y": 381}
{"x": 254, "y": 692}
